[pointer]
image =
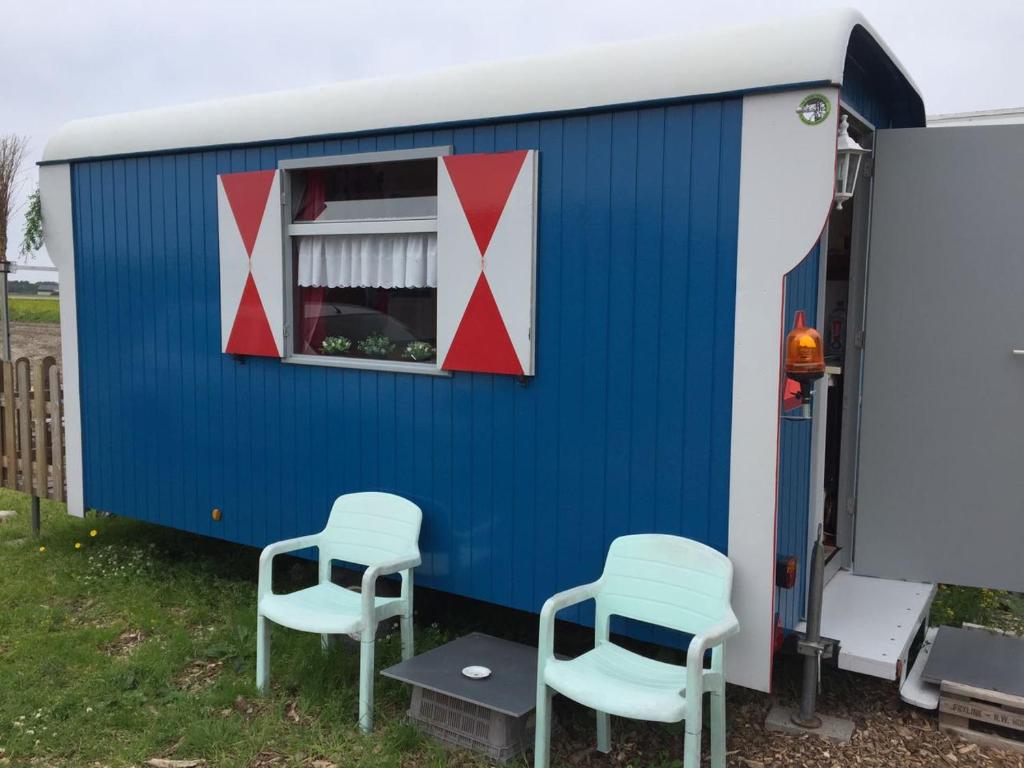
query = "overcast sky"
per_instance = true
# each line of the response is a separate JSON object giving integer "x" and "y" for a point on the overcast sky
{"x": 62, "y": 60}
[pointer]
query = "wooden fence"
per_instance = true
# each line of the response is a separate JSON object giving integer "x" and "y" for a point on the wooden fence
{"x": 32, "y": 428}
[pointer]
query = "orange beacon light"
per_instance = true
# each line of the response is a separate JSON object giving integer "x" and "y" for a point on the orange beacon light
{"x": 805, "y": 356}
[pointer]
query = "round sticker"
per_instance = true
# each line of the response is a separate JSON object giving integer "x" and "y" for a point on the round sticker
{"x": 814, "y": 109}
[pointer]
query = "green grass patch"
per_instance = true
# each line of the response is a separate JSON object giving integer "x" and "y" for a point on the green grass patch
{"x": 26, "y": 309}
{"x": 955, "y": 606}
{"x": 141, "y": 643}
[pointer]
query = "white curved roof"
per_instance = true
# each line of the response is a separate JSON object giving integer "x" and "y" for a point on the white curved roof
{"x": 811, "y": 50}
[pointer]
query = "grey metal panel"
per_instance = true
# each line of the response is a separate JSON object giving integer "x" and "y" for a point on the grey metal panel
{"x": 941, "y": 477}
{"x": 977, "y": 657}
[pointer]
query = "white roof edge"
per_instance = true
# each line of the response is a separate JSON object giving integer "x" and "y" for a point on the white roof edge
{"x": 1006, "y": 115}
{"x": 774, "y": 55}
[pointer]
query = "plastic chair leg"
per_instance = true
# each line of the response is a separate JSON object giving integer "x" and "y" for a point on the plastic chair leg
{"x": 405, "y": 624}
{"x": 262, "y": 653}
{"x": 542, "y": 737}
{"x": 366, "y": 649}
{"x": 604, "y": 733}
{"x": 718, "y": 730}
{"x": 691, "y": 747}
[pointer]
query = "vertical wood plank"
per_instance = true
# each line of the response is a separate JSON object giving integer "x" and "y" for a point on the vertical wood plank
{"x": 56, "y": 410}
{"x": 10, "y": 447}
{"x": 41, "y": 476}
{"x": 21, "y": 367}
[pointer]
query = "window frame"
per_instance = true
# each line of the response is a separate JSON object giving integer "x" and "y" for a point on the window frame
{"x": 291, "y": 229}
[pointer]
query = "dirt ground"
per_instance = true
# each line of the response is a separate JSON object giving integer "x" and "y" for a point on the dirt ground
{"x": 35, "y": 340}
{"x": 888, "y": 733}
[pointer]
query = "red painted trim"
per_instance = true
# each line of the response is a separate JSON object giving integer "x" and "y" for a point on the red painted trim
{"x": 481, "y": 341}
{"x": 483, "y": 183}
{"x": 247, "y": 195}
{"x": 250, "y": 333}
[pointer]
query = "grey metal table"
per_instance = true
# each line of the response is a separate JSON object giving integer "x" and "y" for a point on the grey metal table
{"x": 493, "y": 715}
{"x": 978, "y": 658}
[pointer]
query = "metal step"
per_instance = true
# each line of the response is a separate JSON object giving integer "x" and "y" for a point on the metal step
{"x": 915, "y": 690}
{"x": 874, "y": 621}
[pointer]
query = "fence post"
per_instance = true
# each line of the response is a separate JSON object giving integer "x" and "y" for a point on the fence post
{"x": 56, "y": 433}
{"x": 40, "y": 475}
{"x": 10, "y": 440}
{"x": 24, "y": 397}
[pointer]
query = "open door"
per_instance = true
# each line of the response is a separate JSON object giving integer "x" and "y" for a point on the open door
{"x": 940, "y": 483}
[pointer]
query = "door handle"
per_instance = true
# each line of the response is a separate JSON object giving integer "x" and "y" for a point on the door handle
{"x": 1018, "y": 351}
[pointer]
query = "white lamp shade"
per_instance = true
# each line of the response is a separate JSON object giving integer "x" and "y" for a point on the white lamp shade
{"x": 849, "y": 155}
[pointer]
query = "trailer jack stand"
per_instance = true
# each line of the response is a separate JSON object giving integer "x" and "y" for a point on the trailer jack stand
{"x": 813, "y": 648}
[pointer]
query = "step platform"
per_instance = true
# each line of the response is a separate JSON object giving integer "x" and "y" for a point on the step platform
{"x": 874, "y": 621}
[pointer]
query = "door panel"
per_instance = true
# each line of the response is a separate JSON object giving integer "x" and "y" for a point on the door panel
{"x": 941, "y": 474}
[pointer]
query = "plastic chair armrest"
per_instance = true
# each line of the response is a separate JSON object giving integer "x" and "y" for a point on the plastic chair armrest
{"x": 554, "y": 604}
{"x": 279, "y": 548}
{"x": 714, "y": 635}
{"x": 369, "y": 584}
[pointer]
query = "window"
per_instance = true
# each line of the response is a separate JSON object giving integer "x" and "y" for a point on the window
{"x": 414, "y": 260}
{"x": 363, "y": 243}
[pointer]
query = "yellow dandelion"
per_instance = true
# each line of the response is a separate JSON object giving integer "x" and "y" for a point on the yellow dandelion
{"x": 42, "y": 549}
{"x": 78, "y": 545}
{"x": 93, "y": 533}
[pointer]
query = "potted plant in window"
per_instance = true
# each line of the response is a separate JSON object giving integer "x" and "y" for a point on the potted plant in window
{"x": 376, "y": 345}
{"x": 418, "y": 351}
{"x": 335, "y": 345}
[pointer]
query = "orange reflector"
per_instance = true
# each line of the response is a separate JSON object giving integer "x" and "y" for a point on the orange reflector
{"x": 215, "y": 514}
{"x": 785, "y": 571}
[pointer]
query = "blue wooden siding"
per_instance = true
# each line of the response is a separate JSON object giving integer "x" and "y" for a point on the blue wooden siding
{"x": 795, "y": 455}
{"x": 874, "y": 87}
{"x": 625, "y": 428}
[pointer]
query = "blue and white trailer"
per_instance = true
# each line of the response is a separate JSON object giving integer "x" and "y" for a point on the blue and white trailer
{"x": 546, "y": 300}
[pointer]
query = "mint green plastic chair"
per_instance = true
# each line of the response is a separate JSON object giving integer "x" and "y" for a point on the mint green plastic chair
{"x": 378, "y": 530}
{"x": 665, "y": 580}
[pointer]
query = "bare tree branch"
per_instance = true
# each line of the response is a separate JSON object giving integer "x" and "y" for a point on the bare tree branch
{"x": 12, "y": 155}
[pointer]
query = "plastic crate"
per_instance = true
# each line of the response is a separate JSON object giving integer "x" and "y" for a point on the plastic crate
{"x": 465, "y": 725}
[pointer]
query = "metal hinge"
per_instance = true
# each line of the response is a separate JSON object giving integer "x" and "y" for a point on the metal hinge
{"x": 858, "y": 339}
{"x": 851, "y": 506}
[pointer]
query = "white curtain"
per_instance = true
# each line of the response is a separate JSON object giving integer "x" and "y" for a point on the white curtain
{"x": 406, "y": 260}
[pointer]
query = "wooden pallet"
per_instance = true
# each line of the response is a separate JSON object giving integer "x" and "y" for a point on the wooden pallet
{"x": 962, "y": 709}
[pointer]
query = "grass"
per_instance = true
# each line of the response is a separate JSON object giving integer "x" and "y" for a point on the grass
{"x": 955, "y": 606}
{"x": 141, "y": 644}
{"x": 27, "y": 309}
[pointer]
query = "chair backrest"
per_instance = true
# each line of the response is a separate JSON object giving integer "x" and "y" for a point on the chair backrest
{"x": 369, "y": 528}
{"x": 665, "y": 580}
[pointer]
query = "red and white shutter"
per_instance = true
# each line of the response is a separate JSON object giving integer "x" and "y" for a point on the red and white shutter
{"x": 486, "y": 259}
{"x": 251, "y": 263}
